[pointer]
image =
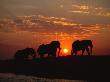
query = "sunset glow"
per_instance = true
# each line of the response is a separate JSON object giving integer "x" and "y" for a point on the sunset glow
{"x": 31, "y": 23}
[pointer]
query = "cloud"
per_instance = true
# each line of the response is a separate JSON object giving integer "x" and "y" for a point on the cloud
{"x": 49, "y": 26}
{"x": 81, "y": 12}
{"x": 91, "y": 10}
{"x": 83, "y": 7}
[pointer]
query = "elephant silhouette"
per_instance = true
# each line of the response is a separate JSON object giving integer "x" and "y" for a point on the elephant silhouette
{"x": 82, "y": 45}
{"x": 24, "y": 53}
{"x": 49, "y": 49}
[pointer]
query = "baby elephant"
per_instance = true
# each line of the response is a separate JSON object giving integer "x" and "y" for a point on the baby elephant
{"x": 24, "y": 53}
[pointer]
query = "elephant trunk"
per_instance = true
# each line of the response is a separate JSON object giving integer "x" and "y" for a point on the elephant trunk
{"x": 59, "y": 51}
{"x": 34, "y": 55}
{"x": 91, "y": 48}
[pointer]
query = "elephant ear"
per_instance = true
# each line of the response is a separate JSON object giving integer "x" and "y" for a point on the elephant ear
{"x": 41, "y": 48}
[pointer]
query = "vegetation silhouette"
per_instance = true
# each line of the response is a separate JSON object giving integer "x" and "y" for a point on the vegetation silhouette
{"x": 24, "y": 53}
{"x": 82, "y": 45}
{"x": 49, "y": 49}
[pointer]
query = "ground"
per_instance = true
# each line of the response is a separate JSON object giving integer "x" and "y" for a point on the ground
{"x": 75, "y": 67}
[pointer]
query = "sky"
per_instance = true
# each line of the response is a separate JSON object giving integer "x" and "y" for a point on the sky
{"x": 29, "y": 23}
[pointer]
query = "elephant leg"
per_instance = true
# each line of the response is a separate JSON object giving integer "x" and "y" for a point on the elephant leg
{"x": 49, "y": 54}
{"x": 91, "y": 49}
{"x": 83, "y": 51}
{"x": 88, "y": 51}
{"x": 25, "y": 57}
{"x": 71, "y": 52}
{"x": 59, "y": 52}
{"x": 75, "y": 53}
{"x": 34, "y": 57}
{"x": 41, "y": 55}
{"x": 54, "y": 54}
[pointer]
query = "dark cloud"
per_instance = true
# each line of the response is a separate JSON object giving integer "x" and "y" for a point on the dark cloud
{"x": 42, "y": 24}
{"x": 13, "y": 8}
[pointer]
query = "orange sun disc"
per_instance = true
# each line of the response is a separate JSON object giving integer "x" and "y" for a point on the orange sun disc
{"x": 65, "y": 50}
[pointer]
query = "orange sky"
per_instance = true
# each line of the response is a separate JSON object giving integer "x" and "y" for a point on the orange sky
{"x": 31, "y": 23}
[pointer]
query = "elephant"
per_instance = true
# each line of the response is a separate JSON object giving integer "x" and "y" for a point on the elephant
{"x": 49, "y": 49}
{"x": 24, "y": 53}
{"x": 82, "y": 45}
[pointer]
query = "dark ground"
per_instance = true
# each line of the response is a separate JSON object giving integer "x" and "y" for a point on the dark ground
{"x": 76, "y": 67}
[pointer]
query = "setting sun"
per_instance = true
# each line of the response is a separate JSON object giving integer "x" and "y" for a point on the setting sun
{"x": 65, "y": 50}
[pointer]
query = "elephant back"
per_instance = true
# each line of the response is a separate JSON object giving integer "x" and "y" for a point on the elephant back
{"x": 86, "y": 43}
{"x": 29, "y": 51}
{"x": 55, "y": 44}
{"x": 24, "y": 53}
